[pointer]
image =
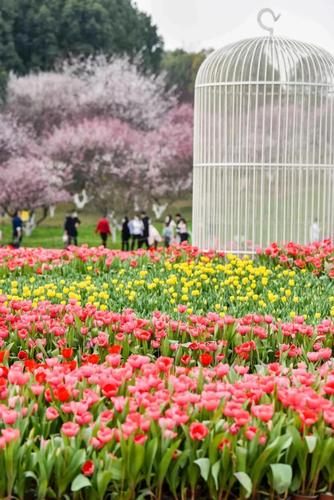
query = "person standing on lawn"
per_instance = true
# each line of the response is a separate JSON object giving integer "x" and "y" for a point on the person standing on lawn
{"x": 146, "y": 230}
{"x": 178, "y": 218}
{"x": 126, "y": 234}
{"x": 137, "y": 231}
{"x": 67, "y": 224}
{"x": 103, "y": 228}
{"x": 72, "y": 222}
{"x": 168, "y": 231}
{"x": 154, "y": 237}
{"x": 183, "y": 230}
{"x": 17, "y": 225}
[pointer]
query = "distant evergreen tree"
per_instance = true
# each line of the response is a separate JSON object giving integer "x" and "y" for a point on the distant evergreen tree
{"x": 181, "y": 68}
{"x": 8, "y": 54}
{"x": 35, "y": 34}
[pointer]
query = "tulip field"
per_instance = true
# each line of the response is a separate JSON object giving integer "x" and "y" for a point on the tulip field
{"x": 162, "y": 375}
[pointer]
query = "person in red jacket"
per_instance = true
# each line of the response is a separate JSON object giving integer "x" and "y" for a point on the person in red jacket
{"x": 103, "y": 228}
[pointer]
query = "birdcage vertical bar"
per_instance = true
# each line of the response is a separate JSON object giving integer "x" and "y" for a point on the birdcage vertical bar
{"x": 306, "y": 170}
{"x": 278, "y": 147}
{"x": 225, "y": 169}
{"x": 221, "y": 170}
{"x": 331, "y": 162}
{"x": 263, "y": 138}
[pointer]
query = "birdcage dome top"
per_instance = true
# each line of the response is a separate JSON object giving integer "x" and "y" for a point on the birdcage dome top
{"x": 268, "y": 59}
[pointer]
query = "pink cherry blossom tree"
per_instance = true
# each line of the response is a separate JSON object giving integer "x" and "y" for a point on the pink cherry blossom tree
{"x": 43, "y": 100}
{"x": 108, "y": 131}
{"x": 169, "y": 172}
{"x": 88, "y": 88}
{"x": 118, "y": 165}
{"x": 30, "y": 183}
{"x": 15, "y": 140}
{"x": 106, "y": 158}
{"x": 26, "y": 179}
{"x": 117, "y": 88}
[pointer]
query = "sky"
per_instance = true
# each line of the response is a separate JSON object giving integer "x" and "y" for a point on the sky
{"x": 200, "y": 24}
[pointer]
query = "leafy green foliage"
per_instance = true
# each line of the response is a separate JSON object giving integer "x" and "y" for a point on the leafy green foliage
{"x": 282, "y": 477}
{"x": 35, "y": 34}
{"x": 80, "y": 482}
{"x": 245, "y": 482}
{"x": 181, "y": 68}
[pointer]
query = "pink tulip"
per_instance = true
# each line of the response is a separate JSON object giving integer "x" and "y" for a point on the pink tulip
{"x": 51, "y": 413}
{"x": 105, "y": 435}
{"x": 10, "y": 434}
{"x": 70, "y": 429}
{"x": 9, "y": 416}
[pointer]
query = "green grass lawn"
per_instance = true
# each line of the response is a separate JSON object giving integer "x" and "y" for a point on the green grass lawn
{"x": 50, "y": 232}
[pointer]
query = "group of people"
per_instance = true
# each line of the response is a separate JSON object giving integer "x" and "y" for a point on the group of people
{"x": 139, "y": 232}
{"x": 175, "y": 231}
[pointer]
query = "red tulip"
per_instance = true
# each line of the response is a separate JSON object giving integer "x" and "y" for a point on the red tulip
{"x": 140, "y": 439}
{"x": 67, "y": 352}
{"x": 93, "y": 358}
{"x": 198, "y": 431}
{"x": 115, "y": 349}
{"x": 185, "y": 359}
{"x": 3, "y": 355}
{"x": 62, "y": 394}
{"x": 206, "y": 359}
{"x": 88, "y": 468}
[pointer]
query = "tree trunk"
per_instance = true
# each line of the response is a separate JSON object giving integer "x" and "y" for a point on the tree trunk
{"x": 44, "y": 215}
{"x": 159, "y": 209}
{"x": 80, "y": 199}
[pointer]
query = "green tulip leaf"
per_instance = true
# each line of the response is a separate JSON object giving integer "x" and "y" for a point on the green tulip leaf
{"x": 204, "y": 465}
{"x": 80, "y": 482}
{"x": 311, "y": 442}
{"x": 245, "y": 482}
{"x": 166, "y": 460}
{"x": 215, "y": 471}
{"x": 282, "y": 477}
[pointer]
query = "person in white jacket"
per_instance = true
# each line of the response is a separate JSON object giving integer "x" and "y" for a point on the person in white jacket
{"x": 136, "y": 228}
{"x": 154, "y": 237}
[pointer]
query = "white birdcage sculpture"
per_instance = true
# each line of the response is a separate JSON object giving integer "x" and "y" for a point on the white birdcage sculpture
{"x": 263, "y": 144}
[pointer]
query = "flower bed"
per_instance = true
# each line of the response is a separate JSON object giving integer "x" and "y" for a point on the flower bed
{"x": 147, "y": 282}
{"x": 116, "y": 380}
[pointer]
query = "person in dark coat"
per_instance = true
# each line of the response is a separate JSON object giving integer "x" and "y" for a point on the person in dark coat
{"x": 17, "y": 225}
{"x": 125, "y": 234}
{"x": 146, "y": 231}
{"x": 183, "y": 230}
{"x": 72, "y": 222}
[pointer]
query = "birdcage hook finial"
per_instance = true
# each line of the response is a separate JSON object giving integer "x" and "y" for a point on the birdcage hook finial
{"x": 275, "y": 18}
